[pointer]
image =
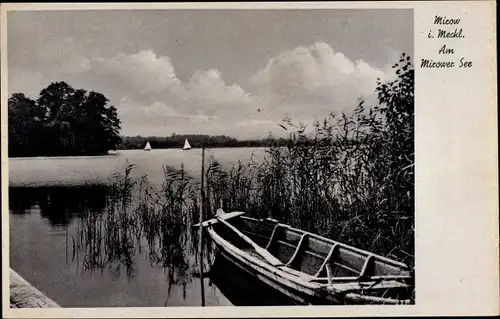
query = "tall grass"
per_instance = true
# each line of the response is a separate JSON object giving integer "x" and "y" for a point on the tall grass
{"x": 141, "y": 218}
{"x": 351, "y": 179}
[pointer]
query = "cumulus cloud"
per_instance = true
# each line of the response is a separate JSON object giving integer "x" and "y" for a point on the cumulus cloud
{"x": 306, "y": 83}
{"x": 146, "y": 72}
{"x": 314, "y": 80}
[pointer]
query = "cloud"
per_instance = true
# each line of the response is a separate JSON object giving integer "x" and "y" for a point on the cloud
{"x": 316, "y": 80}
{"x": 143, "y": 71}
{"x": 306, "y": 83}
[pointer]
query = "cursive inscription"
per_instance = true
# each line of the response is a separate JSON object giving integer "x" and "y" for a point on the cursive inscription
{"x": 448, "y": 29}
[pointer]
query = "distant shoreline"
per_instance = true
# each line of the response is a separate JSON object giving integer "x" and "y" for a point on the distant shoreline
{"x": 196, "y": 141}
{"x": 196, "y": 147}
{"x": 79, "y": 156}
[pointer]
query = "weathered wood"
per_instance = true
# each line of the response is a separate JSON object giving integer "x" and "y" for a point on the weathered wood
{"x": 297, "y": 273}
{"x": 345, "y": 287}
{"x": 378, "y": 259}
{"x": 24, "y": 295}
{"x": 402, "y": 279}
{"x": 261, "y": 251}
{"x": 329, "y": 273}
{"x": 327, "y": 259}
{"x": 275, "y": 230}
{"x": 213, "y": 221}
{"x": 366, "y": 266}
{"x": 298, "y": 250}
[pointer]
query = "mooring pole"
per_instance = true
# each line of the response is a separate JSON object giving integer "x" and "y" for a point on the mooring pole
{"x": 202, "y": 197}
{"x": 66, "y": 245}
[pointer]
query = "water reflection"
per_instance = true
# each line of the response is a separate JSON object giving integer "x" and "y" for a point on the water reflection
{"x": 130, "y": 225}
{"x": 241, "y": 288}
{"x": 141, "y": 220}
{"x": 126, "y": 244}
{"x": 58, "y": 205}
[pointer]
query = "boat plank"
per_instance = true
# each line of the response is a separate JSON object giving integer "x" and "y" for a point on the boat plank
{"x": 306, "y": 256}
{"x": 270, "y": 258}
{"x": 213, "y": 221}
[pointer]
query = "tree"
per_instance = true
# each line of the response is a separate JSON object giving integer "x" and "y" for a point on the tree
{"x": 25, "y": 121}
{"x": 96, "y": 116}
{"x": 396, "y": 103}
{"x": 68, "y": 121}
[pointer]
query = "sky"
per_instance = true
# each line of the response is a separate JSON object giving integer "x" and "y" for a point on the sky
{"x": 231, "y": 72}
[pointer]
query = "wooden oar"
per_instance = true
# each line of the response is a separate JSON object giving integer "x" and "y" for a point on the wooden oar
{"x": 261, "y": 251}
{"x": 215, "y": 221}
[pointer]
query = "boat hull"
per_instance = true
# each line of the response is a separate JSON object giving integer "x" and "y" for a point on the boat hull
{"x": 299, "y": 277}
{"x": 241, "y": 287}
{"x": 297, "y": 293}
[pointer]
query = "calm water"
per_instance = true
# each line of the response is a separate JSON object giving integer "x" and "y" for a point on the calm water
{"x": 47, "y": 197}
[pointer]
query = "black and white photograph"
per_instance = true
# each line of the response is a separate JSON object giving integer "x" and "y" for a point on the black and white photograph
{"x": 211, "y": 157}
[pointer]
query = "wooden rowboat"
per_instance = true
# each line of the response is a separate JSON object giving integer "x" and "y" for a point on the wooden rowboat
{"x": 308, "y": 268}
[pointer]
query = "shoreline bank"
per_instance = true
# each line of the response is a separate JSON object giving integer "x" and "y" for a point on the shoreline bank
{"x": 25, "y": 295}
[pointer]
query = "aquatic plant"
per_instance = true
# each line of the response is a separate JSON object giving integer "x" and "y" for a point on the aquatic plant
{"x": 351, "y": 179}
{"x": 140, "y": 218}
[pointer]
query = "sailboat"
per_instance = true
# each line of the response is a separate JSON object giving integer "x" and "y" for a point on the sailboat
{"x": 186, "y": 145}
{"x": 148, "y": 147}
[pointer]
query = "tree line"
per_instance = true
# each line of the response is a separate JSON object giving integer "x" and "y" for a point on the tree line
{"x": 195, "y": 140}
{"x": 62, "y": 121}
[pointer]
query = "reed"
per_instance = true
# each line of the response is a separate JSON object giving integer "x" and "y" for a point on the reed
{"x": 350, "y": 179}
{"x": 140, "y": 218}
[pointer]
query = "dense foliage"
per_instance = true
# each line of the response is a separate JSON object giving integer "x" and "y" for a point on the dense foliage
{"x": 62, "y": 121}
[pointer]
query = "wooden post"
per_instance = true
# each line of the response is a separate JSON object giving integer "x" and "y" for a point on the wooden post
{"x": 67, "y": 244}
{"x": 202, "y": 198}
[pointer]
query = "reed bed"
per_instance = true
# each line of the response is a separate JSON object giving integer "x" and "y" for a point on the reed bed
{"x": 350, "y": 179}
{"x": 140, "y": 218}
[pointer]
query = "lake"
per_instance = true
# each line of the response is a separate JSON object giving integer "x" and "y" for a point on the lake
{"x": 49, "y": 196}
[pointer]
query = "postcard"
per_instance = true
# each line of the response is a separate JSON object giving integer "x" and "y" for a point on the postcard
{"x": 249, "y": 159}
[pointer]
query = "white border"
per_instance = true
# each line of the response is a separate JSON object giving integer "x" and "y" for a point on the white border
{"x": 456, "y": 172}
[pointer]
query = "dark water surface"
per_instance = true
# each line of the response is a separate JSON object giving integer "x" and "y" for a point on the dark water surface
{"x": 53, "y": 242}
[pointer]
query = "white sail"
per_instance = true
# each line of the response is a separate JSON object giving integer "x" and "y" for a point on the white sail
{"x": 148, "y": 147}
{"x": 186, "y": 145}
